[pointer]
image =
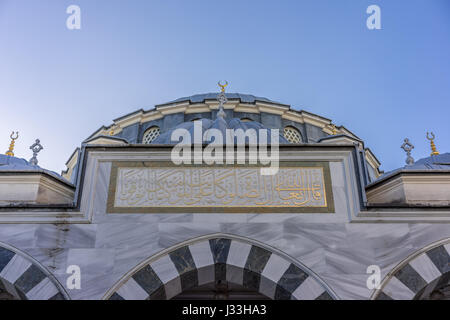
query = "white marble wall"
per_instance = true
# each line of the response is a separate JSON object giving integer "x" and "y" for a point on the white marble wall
{"x": 337, "y": 250}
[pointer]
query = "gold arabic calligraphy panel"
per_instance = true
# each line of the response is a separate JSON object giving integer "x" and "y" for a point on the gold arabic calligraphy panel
{"x": 157, "y": 187}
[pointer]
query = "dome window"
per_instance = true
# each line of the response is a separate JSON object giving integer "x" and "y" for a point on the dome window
{"x": 292, "y": 135}
{"x": 246, "y": 120}
{"x": 150, "y": 134}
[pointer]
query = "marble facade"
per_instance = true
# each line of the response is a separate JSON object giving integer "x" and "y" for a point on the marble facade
{"x": 328, "y": 252}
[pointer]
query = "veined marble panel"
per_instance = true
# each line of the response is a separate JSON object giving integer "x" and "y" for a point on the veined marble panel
{"x": 66, "y": 236}
{"x": 348, "y": 286}
{"x": 426, "y": 233}
{"x": 388, "y": 257}
{"x": 93, "y": 285}
{"x": 349, "y": 259}
{"x": 326, "y": 234}
{"x": 127, "y": 258}
{"x": 378, "y": 235}
{"x": 264, "y": 232}
{"x": 174, "y": 233}
{"x": 20, "y": 236}
{"x": 93, "y": 261}
{"x": 126, "y": 235}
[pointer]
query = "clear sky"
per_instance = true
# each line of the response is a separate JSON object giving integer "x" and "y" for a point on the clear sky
{"x": 61, "y": 85}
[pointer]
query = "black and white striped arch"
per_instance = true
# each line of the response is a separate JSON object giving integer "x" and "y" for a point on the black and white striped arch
{"x": 24, "y": 278}
{"x": 221, "y": 258}
{"x": 426, "y": 270}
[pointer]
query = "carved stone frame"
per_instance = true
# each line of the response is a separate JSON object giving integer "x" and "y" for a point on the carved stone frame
{"x": 329, "y": 208}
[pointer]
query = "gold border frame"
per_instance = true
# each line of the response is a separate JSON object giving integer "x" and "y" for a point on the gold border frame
{"x": 328, "y": 208}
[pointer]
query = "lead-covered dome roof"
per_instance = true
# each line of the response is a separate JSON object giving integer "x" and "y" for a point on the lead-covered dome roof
{"x": 220, "y": 124}
{"x": 10, "y": 164}
{"x": 200, "y": 98}
{"x": 437, "y": 162}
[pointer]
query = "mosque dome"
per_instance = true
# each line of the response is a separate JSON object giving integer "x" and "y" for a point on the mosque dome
{"x": 14, "y": 164}
{"x": 216, "y": 122}
{"x": 244, "y": 98}
{"x": 435, "y": 162}
{"x": 222, "y": 111}
{"x": 242, "y": 111}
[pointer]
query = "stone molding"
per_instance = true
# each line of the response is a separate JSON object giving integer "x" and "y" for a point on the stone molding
{"x": 34, "y": 188}
{"x": 413, "y": 188}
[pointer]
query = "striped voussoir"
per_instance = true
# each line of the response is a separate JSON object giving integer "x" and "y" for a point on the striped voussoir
{"x": 221, "y": 259}
{"x": 24, "y": 279}
{"x": 424, "y": 272}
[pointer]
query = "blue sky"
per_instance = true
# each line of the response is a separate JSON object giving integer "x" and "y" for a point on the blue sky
{"x": 61, "y": 85}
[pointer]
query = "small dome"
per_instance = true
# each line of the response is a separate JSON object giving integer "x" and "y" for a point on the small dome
{"x": 14, "y": 164}
{"x": 438, "y": 162}
{"x": 433, "y": 163}
{"x": 200, "y": 98}
{"x": 219, "y": 124}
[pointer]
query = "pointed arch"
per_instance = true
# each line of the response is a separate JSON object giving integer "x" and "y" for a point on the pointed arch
{"x": 424, "y": 268}
{"x": 23, "y": 277}
{"x": 220, "y": 257}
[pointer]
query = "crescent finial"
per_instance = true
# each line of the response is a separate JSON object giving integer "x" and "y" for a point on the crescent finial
{"x": 431, "y": 137}
{"x": 10, "y": 151}
{"x": 222, "y": 86}
{"x": 14, "y": 137}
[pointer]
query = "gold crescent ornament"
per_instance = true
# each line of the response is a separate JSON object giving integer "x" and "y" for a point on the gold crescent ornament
{"x": 431, "y": 137}
{"x": 222, "y": 86}
{"x": 11, "y": 145}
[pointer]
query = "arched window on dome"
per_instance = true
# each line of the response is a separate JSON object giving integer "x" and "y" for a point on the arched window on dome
{"x": 246, "y": 120}
{"x": 150, "y": 134}
{"x": 292, "y": 135}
